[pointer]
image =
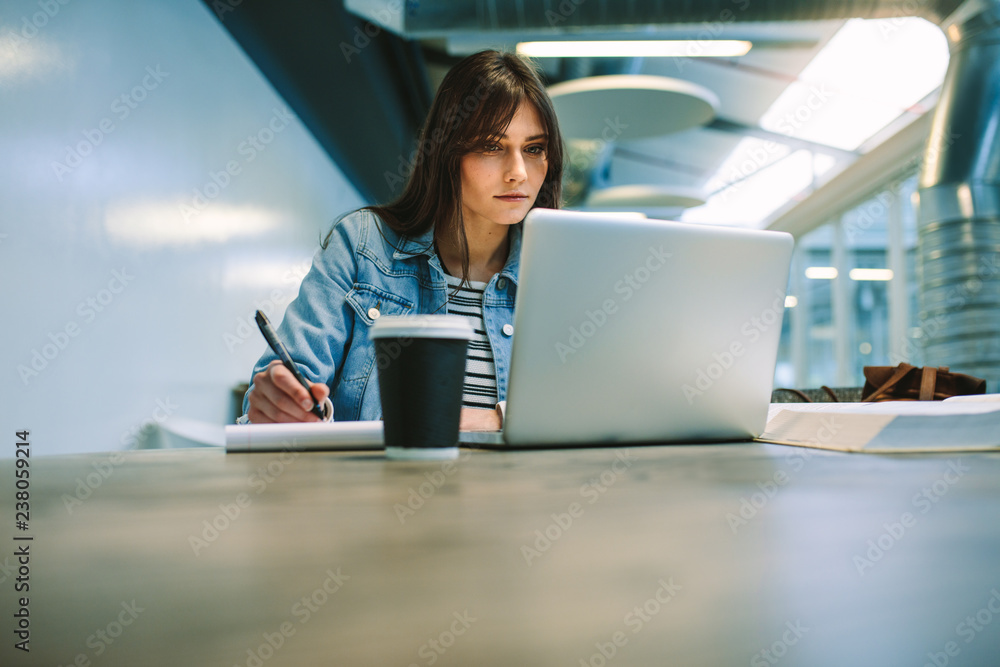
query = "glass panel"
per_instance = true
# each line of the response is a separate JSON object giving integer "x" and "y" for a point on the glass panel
{"x": 816, "y": 301}
{"x": 784, "y": 371}
{"x": 867, "y": 240}
{"x": 913, "y": 347}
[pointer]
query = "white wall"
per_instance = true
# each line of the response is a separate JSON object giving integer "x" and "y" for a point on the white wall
{"x": 117, "y": 303}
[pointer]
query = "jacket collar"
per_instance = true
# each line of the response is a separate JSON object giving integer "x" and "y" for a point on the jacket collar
{"x": 424, "y": 245}
{"x": 513, "y": 264}
{"x": 411, "y": 246}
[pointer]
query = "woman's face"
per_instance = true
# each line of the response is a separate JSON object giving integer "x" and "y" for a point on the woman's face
{"x": 501, "y": 181}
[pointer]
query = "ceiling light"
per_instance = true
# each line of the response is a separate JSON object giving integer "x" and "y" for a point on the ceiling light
{"x": 821, "y": 272}
{"x": 871, "y": 274}
{"x": 622, "y": 107}
{"x": 791, "y": 301}
{"x": 642, "y": 48}
{"x": 867, "y": 75}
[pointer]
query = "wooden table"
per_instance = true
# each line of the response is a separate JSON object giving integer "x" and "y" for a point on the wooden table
{"x": 677, "y": 555}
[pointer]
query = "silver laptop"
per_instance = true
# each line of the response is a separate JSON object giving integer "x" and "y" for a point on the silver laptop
{"x": 632, "y": 331}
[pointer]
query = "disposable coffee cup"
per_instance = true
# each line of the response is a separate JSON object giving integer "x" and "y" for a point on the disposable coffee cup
{"x": 421, "y": 372}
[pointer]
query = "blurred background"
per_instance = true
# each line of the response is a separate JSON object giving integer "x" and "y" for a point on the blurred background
{"x": 169, "y": 166}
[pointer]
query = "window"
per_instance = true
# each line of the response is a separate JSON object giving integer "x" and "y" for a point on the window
{"x": 853, "y": 294}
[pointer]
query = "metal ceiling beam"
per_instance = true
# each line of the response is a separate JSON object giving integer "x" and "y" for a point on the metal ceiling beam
{"x": 438, "y": 18}
{"x": 795, "y": 143}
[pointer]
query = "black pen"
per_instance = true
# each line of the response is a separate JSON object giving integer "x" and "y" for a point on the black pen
{"x": 286, "y": 359}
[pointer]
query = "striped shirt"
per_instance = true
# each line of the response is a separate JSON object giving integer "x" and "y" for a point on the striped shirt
{"x": 480, "y": 390}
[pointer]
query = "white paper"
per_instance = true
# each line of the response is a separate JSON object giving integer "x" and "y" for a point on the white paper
{"x": 889, "y": 426}
{"x": 346, "y": 435}
{"x": 927, "y": 408}
{"x": 974, "y": 398}
{"x": 824, "y": 429}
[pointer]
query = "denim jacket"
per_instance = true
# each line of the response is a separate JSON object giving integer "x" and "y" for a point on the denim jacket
{"x": 361, "y": 276}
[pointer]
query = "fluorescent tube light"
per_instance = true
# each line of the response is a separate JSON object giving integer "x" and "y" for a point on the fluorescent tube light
{"x": 821, "y": 272}
{"x": 639, "y": 48}
{"x": 871, "y": 274}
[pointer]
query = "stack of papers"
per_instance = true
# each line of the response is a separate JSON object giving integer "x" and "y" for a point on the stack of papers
{"x": 964, "y": 424}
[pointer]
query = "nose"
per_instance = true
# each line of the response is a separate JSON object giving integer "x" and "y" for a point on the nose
{"x": 515, "y": 172}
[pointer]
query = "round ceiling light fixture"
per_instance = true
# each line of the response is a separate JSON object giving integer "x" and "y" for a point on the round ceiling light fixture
{"x": 622, "y": 107}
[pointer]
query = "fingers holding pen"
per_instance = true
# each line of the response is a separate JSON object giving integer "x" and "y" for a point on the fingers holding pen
{"x": 283, "y": 379}
{"x": 278, "y": 397}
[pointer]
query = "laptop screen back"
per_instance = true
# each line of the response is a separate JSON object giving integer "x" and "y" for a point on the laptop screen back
{"x": 631, "y": 330}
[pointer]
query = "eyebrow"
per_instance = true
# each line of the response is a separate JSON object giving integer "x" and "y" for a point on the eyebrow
{"x": 531, "y": 138}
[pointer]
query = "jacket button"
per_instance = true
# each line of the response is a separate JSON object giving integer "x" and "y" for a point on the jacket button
{"x": 508, "y": 330}
{"x": 501, "y": 283}
{"x": 373, "y": 313}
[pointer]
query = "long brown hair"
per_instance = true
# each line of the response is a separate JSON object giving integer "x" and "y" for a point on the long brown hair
{"x": 473, "y": 107}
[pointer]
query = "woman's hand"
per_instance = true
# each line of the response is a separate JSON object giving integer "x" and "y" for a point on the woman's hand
{"x": 278, "y": 397}
{"x": 474, "y": 419}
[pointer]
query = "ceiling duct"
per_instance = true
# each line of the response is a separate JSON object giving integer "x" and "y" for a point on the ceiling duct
{"x": 958, "y": 216}
{"x": 436, "y": 18}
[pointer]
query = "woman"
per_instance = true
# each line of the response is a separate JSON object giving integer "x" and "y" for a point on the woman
{"x": 489, "y": 152}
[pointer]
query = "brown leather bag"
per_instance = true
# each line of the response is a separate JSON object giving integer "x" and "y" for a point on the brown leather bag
{"x": 911, "y": 383}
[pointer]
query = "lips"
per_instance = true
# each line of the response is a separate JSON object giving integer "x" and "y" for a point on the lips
{"x": 513, "y": 197}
